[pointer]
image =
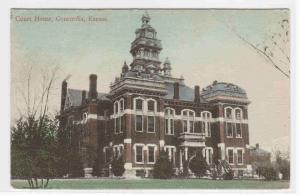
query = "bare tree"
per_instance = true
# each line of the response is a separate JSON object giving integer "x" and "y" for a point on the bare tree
{"x": 275, "y": 48}
{"x": 35, "y": 89}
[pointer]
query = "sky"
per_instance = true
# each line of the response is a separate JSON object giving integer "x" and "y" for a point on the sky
{"x": 199, "y": 43}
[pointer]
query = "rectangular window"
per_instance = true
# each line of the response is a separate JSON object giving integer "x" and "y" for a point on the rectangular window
{"x": 208, "y": 129}
{"x": 117, "y": 125}
{"x": 229, "y": 131}
{"x": 116, "y": 108}
{"x": 185, "y": 128}
{"x": 151, "y": 154}
{"x": 240, "y": 156}
{"x": 121, "y": 105}
{"x": 151, "y": 105}
{"x": 172, "y": 126}
{"x": 238, "y": 130}
{"x": 151, "y": 124}
{"x": 139, "y": 123}
{"x": 139, "y": 154}
{"x": 166, "y": 126}
{"x": 230, "y": 156}
{"x": 191, "y": 126}
{"x": 209, "y": 156}
{"x": 139, "y": 104}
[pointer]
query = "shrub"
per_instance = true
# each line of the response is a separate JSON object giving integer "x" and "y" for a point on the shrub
{"x": 163, "y": 167}
{"x": 268, "y": 172}
{"x": 198, "y": 165}
{"x": 117, "y": 167}
{"x": 228, "y": 175}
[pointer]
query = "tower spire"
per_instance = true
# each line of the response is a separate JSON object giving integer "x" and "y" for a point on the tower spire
{"x": 146, "y": 18}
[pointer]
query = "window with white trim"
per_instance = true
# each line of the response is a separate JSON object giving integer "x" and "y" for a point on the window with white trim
{"x": 169, "y": 121}
{"x": 139, "y": 104}
{"x": 121, "y": 105}
{"x": 238, "y": 130}
{"x": 229, "y": 129}
{"x": 116, "y": 107}
{"x": 230, "y": 156}
{"x": 228, "y": 112}
{"x": 139, "y": 123}
{"x": 188, "y": 117}
{"x": 238, "y": 114}
{"x": 151, "y": 124}
{"x": 151, "y": 105}
{"x": 171, "y": 150}
{"x": 206, "y": 126}
{"x": 118, "y": 125}
{"x": 240, "y": 156}
{"x": 151, "y": 154}
{"x": 208, "y": 155}
{"x": 139, "y": 154}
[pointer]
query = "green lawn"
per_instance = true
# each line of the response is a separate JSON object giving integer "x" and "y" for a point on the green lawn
{"x": 158, "y": 184}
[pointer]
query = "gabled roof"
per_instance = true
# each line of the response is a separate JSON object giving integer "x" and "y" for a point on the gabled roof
{"x": 75, "y": 96}
{"x": 255, "y": 150}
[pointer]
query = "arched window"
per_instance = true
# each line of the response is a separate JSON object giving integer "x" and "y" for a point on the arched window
{"x": 228, "y": 112}
{"x": 188, "y": 117}
{"x": 139, "y": 104}
{"x": 169, "y": 121}
{"x": 206, "y": 126}
{"x": 116, "y": 107}
{"x": 238, "y": 113}
{"x": 121, "y": 102}
{"x": 151, "y": 105}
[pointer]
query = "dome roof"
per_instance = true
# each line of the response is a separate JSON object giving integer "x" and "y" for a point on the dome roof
{"x": 223, "y": 89}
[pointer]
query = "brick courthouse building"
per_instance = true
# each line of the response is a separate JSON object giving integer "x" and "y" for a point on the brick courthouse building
{"x": 148, "y": 110}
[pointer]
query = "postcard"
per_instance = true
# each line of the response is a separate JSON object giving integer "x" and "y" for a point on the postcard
{"x": 150, "y": 98}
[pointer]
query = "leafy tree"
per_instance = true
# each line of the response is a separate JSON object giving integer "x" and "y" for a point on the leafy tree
{"x": 69, "y": 156}
{"x": 282, "y": 164}
{"x": 198, "y": 165}
{"x": 117, "y": 166}
{"x": 163, "y": 168}
{"x": 33, "y": 150}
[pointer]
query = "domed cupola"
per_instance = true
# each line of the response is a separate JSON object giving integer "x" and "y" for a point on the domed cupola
{"x": 224, "y": 91}
{"x": 146, "y": 47}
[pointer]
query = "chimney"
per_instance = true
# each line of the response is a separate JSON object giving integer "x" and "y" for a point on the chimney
{"x": 83, "y": 96}
{"x": 197, "y": 94}
{"x": 176, "y": 91}
{"x": 93, "y": 87}
{"x": 257, "y": 146}
{"x": 64, "y": 87}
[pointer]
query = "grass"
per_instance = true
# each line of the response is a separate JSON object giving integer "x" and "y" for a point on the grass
{"x": 157, "y": 184}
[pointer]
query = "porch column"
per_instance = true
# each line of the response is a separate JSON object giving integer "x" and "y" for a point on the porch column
{"x": 180, "y": 158}
{"x": 186, "y": 153}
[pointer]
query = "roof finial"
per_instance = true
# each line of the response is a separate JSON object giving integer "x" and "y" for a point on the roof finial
{"x": 146, "y": 18}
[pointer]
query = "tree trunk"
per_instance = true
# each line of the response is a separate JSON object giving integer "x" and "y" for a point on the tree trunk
{"x": 46, "y": 184}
